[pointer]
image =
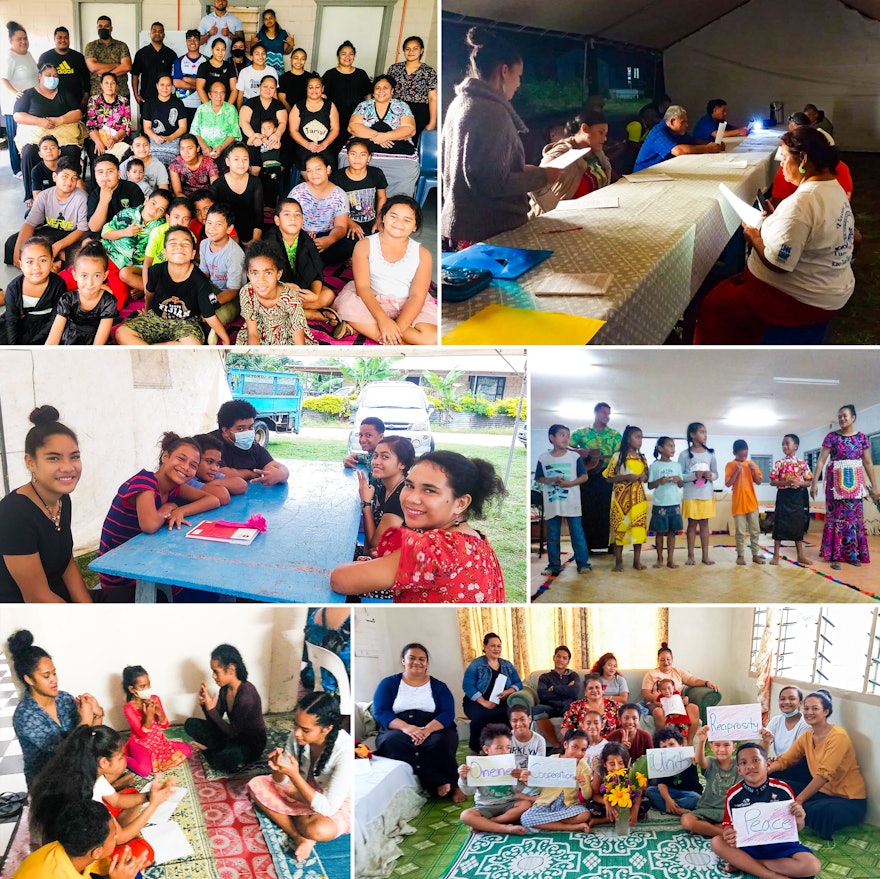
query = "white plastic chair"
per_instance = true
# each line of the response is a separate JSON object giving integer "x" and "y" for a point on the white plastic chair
{"x": 320, "y": 658}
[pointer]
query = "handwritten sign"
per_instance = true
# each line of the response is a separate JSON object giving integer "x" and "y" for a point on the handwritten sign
{"x": 764, "y": 823}
{"x": 673, "y": 705}
{"x": 668, "y": 761}
{"x": 486, "y": 771}
{"x": 552, "y": 772}
{"x": 735, "y": 723}
{"x": 498, "y": 689}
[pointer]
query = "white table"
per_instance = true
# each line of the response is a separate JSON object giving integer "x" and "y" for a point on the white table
{"x": 658, "y": 246}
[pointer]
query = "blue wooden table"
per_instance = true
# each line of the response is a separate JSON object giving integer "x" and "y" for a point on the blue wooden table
{"x": 313, "y": 522}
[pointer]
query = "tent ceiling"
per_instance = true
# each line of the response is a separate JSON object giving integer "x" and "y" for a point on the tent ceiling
{"x": 652, "y": 24}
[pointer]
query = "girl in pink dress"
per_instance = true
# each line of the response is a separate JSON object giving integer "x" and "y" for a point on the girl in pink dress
{"x": 148, "y": 750}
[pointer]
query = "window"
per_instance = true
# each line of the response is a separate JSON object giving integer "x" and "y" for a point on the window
{"x": 835, "y": 646}
{"x": 812, "y": 458}
{"x": 875, "y": 447}
{"x": 765, "y": 464}
{"x": 489, "y": 387}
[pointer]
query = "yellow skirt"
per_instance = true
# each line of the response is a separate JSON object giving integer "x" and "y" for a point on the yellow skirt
{"x": 694, "y": 508}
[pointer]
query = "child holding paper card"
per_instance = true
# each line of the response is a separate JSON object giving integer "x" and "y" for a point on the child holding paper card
{"x": 720, "y": 773}
{"x": 525, "y": 743}
{"x": 679, "y": 793}
{"x": 558, "y": 808}
{"x": 496, "y": 808}
{"x": 764, "y": 861}
{"x": 664, "y": 479}
{"x": 674, "y": 713}
{"x": 699, "y": 470}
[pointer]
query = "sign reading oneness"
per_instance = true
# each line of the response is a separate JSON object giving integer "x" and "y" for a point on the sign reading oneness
{"x": 485, "y": 771}
{"x": 668, "y": 761}
{"x": 552, "y": 772}
{"x": 734, "y": 723}
{"x": 764, "y": 823}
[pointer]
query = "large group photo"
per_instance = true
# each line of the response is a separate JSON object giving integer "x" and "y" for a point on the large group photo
{"x": 626, "y": 174}
{"x": 728, "y": 741}
{"x": 211, "y": 745}
{"x": 710, "y": 477}
{"x": 208, "y": 184}
{"x": 209, "y": 476}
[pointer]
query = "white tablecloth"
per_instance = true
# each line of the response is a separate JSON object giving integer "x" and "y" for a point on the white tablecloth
{"x": 658, "y": 245}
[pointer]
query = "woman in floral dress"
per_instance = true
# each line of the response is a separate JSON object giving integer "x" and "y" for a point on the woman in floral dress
{"x": 416, "y": 85}
{"x": 843, "y": 538}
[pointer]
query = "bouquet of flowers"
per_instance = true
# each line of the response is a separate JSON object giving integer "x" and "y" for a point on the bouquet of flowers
{"x": 622, "y": 787}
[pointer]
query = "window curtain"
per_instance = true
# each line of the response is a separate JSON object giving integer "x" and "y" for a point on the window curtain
{"x": 765, "y": 662}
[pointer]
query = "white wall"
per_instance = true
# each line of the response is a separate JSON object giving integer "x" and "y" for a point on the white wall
{"x": 712, "y": 642}
{"x": 813, "y": 51}
{"x": 90, "y": 646}
{"x": 119, "y": 402}
{"x": 296, "y": 16}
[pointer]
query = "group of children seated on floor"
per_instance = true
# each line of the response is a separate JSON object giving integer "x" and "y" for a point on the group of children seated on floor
{"x": 84, "y": 814}
{"x": 183, "y": 257}
{"x": 604, "y": 769}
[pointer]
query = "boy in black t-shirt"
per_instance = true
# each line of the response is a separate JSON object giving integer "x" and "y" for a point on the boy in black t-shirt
{"x": 365, "y": 187}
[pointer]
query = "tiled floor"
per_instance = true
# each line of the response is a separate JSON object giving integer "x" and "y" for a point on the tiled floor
{"x": 11, "y": 761}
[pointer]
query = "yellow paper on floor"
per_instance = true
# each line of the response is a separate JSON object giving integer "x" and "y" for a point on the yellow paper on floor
{"x": 505, "y": 325}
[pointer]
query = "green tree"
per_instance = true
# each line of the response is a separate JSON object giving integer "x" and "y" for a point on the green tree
{"x": 363, "y": 370}
{"x": 445, "y": 391}
{"x": 324, "y": 384}
{"x": 262, "y": 362}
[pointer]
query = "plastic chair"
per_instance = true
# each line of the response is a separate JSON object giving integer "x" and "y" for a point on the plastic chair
{"x": 427, "y": 165}
{"x": 320, "y": 658}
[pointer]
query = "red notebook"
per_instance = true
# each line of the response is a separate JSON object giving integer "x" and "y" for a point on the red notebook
{"x": 221, "y": 533}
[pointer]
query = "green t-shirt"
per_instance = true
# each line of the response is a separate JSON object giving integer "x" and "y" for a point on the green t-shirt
{"x": 156, "y": 245}
{"x": 213, "y": 127}
{"x": 291, "y": 251}
{"x": 129, "y": 251}
{"x": 606, "y": 441}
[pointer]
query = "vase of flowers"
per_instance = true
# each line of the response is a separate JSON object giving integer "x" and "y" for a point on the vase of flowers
{"x": 622, "y": 789}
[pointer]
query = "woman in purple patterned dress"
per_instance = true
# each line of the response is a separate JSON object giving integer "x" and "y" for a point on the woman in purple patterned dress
{"x": 843, "y": 538}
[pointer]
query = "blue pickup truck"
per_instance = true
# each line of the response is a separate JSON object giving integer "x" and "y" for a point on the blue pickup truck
{"x": 277, "y": 397}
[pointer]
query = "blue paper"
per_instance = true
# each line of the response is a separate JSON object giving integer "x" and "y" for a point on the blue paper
{"x": 504, "y": 262}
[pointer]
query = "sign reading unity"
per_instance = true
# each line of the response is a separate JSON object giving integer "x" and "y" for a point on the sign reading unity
{"x": 552, "y": 772}
{"x": 668, "y": 761}
{"x": 734, "y": 723}
{"x": 485, "y": 771}
{"x": 764, "y": 823}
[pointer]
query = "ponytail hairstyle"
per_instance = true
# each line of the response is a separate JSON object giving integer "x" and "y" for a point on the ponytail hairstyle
{"x": 45, "y": 424}
{"x": 228, "y": 655}
{"x": 130, "y": 674}
{"x": 692, "y": 428}
{"x": 824, "y": 697}
{"x": 489, "y": 52}
{"x": 472, "y": 476}
{"x": 25, "y": 654}
{"x": 171, "y": 441}
{"x": 69, "y": 777}
{"x": 324, "y": 707}
{"x": 94, "y": 249}
{"x": 623, "y": 452}
{"x": 585, "y": 117}
{"x": 661, "y": 441}
{"x": 402, "y": 448}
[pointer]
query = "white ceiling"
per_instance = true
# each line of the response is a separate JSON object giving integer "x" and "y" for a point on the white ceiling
{"x": 662, "y": 390}
{"x": 653, "y": 24}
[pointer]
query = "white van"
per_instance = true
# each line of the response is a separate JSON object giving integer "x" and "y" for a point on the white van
{"x": 404, "y": 409}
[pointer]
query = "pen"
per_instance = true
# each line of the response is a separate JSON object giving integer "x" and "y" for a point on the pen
{"x": 558, "y": 231}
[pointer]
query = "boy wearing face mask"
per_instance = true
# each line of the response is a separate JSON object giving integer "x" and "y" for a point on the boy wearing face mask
{"x": 241, "y": 455}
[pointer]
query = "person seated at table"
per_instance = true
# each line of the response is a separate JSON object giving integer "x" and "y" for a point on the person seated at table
{"x": 228, "y": 744}
{"x": 86, "y": 838}
{"x": 151, "y": 500}
{"x": 438, "y": 557}
{"x": 670, "y": 138}
{"x": 308, "y": 794}
{"x": 586, "y": 174}
{"x": 818, "y": 119}
{"x": 209, "y": 478}
{"x": 370, "y": 433}
{"x": 716, "y": 113}
{"x": 636, "y": 131}
{"x": 799, "y": 272}
{"x": 241, "y": 455}
{"x": 769, "y": 860}
{"x": 381, "y": 508}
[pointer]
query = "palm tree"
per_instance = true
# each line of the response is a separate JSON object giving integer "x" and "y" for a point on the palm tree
{"x": 363, "y": 370}
{"x": 444, "y": 386}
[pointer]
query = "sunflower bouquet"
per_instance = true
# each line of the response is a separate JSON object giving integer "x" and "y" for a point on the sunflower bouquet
{"x": 622, "y": 787}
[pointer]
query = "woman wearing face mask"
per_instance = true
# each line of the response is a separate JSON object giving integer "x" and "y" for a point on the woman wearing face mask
{"x": 238, "y": 52}
{"x": 486, "y": 180}
{"x": 241, "y": 456}
{"x": 36, "y": 543}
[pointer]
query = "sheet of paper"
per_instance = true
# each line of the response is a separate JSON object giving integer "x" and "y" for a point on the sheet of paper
{"x": 487, "y": 771}
{"x": 552, "y": 772}
{"x": 498, "y": 689}
{"x": 764, "y": 823}
{"x": 673, "y": 705}
{"x": 565, "y": 283}
{"x": 647, "y": 176}
{"x": 719, "y": 134}
{"x": 734, "y": 723}
{"x": 165, "y": 809}
{"x": 506, "y": 325}
{"x": 668, "y": 761}
{"x": 588, "y": 202}
{"x": 567, "y": 158}
{"x": 749, "y": 215}
{"x": 728, "y": 163}
{"x": 168, "y": 841}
